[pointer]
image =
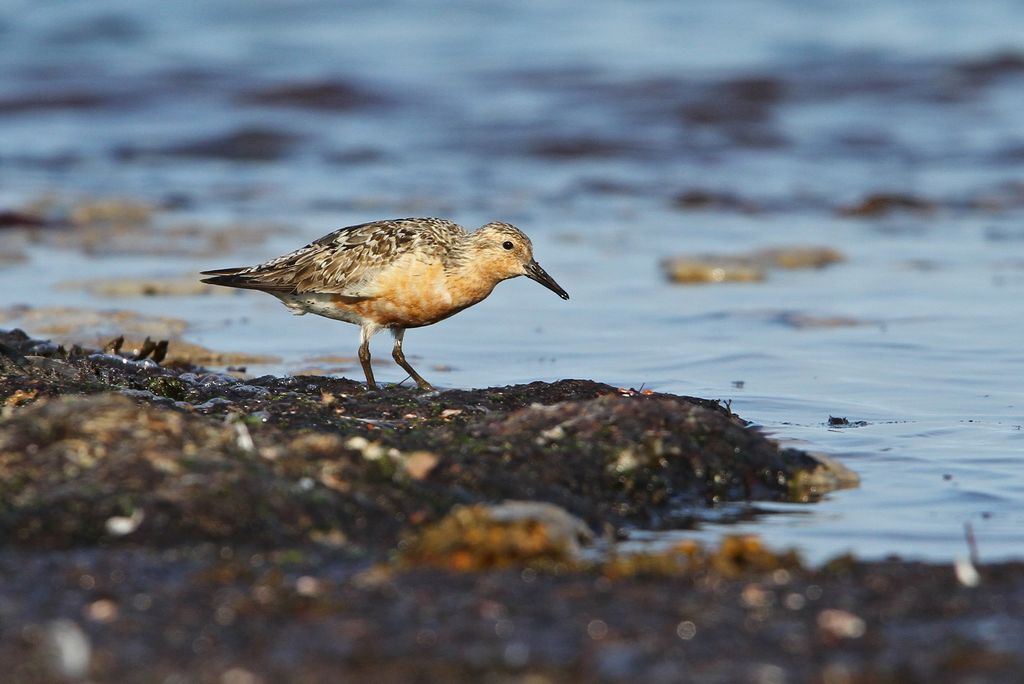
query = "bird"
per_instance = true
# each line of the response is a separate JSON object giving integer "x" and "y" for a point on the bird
{"x": 393, "y": 274}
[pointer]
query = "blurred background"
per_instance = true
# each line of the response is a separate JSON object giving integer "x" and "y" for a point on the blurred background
{"x": 652, "y": 150}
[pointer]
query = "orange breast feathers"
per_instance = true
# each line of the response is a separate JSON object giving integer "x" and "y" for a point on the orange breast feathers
{"x": 413, "y": 293}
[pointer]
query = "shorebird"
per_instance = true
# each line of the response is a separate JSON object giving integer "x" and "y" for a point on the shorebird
{"x": 394, "y": 275}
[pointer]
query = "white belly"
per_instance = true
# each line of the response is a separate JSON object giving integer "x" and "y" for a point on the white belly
{"x": 321, "y": 305}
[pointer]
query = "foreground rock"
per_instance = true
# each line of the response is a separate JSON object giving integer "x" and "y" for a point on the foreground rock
{"x": 192, "y": 456}
{"x": 172, "y": 524}
{"x": 225, "y": 614}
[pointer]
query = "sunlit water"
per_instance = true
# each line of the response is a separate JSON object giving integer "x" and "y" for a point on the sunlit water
{"x": 874, "y": 97}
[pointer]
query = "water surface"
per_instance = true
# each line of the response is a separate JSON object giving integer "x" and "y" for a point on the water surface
{"x": 584, "y": 128}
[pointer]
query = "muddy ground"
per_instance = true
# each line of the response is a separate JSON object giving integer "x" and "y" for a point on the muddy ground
{"x": 164, "y": 523}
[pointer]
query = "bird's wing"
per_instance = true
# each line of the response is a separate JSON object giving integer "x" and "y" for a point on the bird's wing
{"x": 347, "y": 261}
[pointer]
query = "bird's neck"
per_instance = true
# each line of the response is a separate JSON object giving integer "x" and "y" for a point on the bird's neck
{"x": 471, "y": 278}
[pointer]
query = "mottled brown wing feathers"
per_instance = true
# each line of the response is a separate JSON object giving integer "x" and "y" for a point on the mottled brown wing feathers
{"x": 346, "y": 261}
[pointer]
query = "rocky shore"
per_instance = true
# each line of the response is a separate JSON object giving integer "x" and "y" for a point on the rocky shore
{"x": 165, "y": 523}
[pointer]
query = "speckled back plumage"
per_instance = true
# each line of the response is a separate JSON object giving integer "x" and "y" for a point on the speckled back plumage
{"x": 393, "y": 275}
{"x": 345, "y": 262}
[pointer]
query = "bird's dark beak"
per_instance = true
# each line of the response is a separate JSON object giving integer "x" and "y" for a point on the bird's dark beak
{"x": 535, "y": 272}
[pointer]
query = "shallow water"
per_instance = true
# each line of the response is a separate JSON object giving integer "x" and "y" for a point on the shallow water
{"x": 583, "y": 129}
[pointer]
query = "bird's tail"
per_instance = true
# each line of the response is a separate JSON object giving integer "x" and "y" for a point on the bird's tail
{"x": 231, "y": 277}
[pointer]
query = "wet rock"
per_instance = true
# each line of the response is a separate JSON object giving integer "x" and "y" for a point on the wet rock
{"x": 579, "y": 148}
{"x": 169, "y": 387}
{"x": 308, "y": 529}
{"x": 252, "y": 144}
{"x": 827, "y": 476}
{"x": 986, "y": 69}
{"x": 752, "y": 267}
{"x": 799, "y": 257}
{"x": 630, "y": 458}
{"x": 699, "y": 199}
{"x": 336, "y": 96}
{"x": 745, "y": 100}
{"x": 93, "y": 459}
{"x": 13, "y": 355}
{"x": 688, "y": 271}
{"x": 880, "y": 204}
{"x": 607, "y": 186}
{"x": 611, "y": 457}
{"x": 19, "y": 219}
{"x": 842, "y": 421}
{"x": 740, "y": 110}
{"x": 760, "y": 89}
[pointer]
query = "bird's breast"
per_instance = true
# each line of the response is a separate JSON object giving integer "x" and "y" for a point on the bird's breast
{"x": 413, "y": 293}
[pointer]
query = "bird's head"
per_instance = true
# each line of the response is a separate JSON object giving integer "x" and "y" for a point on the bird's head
{"x": 506, "y": 252}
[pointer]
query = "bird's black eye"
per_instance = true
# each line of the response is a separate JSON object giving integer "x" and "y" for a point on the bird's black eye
{"x": 507, "y": 244}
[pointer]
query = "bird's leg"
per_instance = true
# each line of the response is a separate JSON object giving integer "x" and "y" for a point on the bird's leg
{"x": 399, "y": 357}
{"x": 364, "y": 357}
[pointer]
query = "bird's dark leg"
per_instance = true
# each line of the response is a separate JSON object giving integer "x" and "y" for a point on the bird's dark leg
{"x": 399, "y": 357}
{"x": 364, "y": 357}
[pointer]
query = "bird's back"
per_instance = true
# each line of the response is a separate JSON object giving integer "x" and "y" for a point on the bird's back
{"x": 348, "y": 261}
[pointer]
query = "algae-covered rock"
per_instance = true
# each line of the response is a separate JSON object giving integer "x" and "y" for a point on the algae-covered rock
{"x": 711, "y": 269}
{"x": 76, "y": 467}
{"x": 179, "y": 454}
{"x": 619, "y": 458}
{"x": 482, "y": 537}
{"x": 204, "y": 528}
{"x": 749, "y": 267}
{"x": 827, "y": 476}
